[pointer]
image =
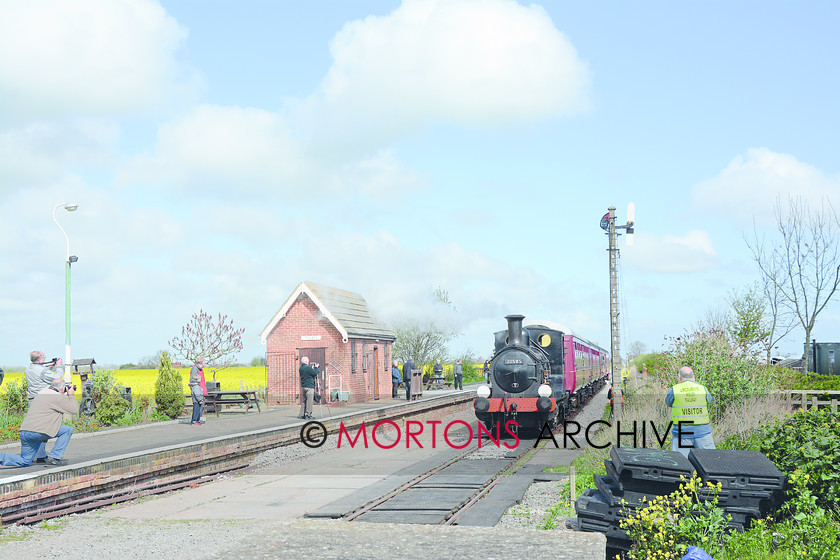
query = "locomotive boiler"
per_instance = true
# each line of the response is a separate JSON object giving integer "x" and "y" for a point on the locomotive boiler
{"x": 538, "y": 375}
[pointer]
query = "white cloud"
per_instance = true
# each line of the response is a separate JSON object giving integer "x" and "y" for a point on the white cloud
{"x": 479, "y": 62}
{"x": 87, "y": 56}
{"x": 40, "y": 154}
{"x": 234, "y": 151}
{"x": 749, "y": 186}
{"x": 691, "y": 252}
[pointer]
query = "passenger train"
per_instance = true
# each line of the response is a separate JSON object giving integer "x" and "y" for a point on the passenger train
{"x": 538, "y": 375}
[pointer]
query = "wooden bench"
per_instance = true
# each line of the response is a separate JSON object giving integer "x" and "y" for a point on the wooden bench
{"x": 438, "y": 383}
{"x": 217, "y": 399}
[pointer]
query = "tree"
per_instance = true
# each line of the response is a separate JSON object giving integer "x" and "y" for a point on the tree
{"x": 169, "y": 388}
{"x": 150, "y": 362}
{"x": 215, "y": 340}
{"x": 713, "y": 320}
{"x": 746, "y": 323}
{"x": 258, "y": 361}
{"x": 637, "y": 349}
{"x": 425, "y": 342}
{"x": 803, "y": 266}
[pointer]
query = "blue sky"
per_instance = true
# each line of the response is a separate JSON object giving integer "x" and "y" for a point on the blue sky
{"x": 222, "y": 152}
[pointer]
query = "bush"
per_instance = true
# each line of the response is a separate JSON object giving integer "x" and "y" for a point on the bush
{"x": 670, "y": 524}
{"x": 103, "y": 384}
{"x": 731, "y": 377}
{"x": 658, "y": 363}
{"x": 111, "y": 408}
{"x": 169, "y": 395}
{"x": 817, "y": 382}
{"x": 809, "y": 441}
{"x": 14, "y": 399}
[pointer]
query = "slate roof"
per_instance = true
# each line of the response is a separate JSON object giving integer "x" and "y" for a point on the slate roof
{"x": 348, "y": 312}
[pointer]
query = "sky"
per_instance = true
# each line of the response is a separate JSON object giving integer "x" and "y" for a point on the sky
{"x": 222, "y": 152}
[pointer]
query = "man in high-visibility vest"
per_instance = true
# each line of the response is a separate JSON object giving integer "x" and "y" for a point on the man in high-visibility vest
{"x": 689, "y": 402}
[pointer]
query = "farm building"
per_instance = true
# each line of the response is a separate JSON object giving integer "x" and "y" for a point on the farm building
{"x": 335, "y": 329}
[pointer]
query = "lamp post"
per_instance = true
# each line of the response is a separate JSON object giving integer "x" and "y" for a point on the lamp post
{"x": 70, "y": 207}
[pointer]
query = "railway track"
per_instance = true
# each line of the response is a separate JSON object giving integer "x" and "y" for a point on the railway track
{"x": 96, "y": 481}
{"x": 444, "y": 493}
{"x": 466, "y": 486}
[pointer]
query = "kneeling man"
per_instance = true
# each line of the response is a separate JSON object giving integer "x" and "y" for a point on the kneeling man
{"x": 42, "y": 423}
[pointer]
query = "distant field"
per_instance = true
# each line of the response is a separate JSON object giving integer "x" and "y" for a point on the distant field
{"x": 142, "y": 381}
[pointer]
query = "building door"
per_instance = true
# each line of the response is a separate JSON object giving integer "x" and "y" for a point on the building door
{"x": 317, "y": 356}
{"x": 376, "y": 372}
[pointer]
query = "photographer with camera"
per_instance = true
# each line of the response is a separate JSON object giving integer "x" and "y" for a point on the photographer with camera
{"x": 308, "y": 376}
{"x": 39, "y": 376}
{"x": 43, "y": 422}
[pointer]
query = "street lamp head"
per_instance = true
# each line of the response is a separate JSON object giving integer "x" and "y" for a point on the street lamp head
{"x": 70, "y": 206}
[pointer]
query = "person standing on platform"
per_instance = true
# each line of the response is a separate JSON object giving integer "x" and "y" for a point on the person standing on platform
{"x": 689, "y": 402}
{"x": 438, "y": 370}
{"x": 198, "y": 390}
{"x": 396, "y": 377}
{"x": 39, "y": 376}
{"x": 308, "y": 375}
{"x": 407, "y": 367}
{"x": 43, "y": 422}
{"x": 458, "y": 369}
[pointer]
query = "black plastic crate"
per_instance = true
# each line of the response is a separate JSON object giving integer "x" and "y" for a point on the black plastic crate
{"x": 657, "y": 465}
{"x": 747, "y": 470}
{"x": 594, "y": 504}
{"x": 610, "y": 489}
{"x": 627, "y": 483}
{"x": 742, "y": 516}
{"x": 763, "y": 501}
{"x": 620, "y": 544}
{"x": 611, "y": 530}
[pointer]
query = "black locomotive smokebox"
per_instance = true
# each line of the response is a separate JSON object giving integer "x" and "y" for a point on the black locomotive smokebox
{"x": 748, "y": 470}
{"x": 614, "y": 495}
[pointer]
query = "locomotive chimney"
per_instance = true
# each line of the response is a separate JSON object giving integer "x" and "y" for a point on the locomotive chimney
{"x": 515, "y": 329}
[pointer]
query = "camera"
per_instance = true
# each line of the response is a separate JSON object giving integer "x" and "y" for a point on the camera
{"x": 51, "y": 363}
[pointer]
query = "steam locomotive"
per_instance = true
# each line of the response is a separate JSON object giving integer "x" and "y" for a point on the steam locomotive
{"x": 538, "y": 374}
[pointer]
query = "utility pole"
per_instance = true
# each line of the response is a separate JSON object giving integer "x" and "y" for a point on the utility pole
{"x": 615, "y": 338}
{"x": 608, "y": 224}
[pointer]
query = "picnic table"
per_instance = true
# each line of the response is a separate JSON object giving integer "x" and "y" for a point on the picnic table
{"x": 217, "y": 399}
{"x": 438, "y": 383}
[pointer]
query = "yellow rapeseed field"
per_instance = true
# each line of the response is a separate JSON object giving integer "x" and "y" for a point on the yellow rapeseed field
{"x": 142, "y": 381}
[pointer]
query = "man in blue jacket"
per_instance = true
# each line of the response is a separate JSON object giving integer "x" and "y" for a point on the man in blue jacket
{"x": 308, "y": 375}
{"x": 396, "y": 377}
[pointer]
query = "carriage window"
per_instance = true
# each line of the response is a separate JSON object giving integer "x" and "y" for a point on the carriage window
{"x": 544, "y": 340}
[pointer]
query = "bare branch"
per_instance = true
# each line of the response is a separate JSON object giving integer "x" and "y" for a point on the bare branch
{"x": 215, "y": 340}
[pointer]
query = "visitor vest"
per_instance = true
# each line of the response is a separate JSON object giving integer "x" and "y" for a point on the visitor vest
{"x": 689, "y": 404}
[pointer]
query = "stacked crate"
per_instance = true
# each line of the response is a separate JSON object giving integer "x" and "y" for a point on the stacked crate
{"x": 751, "y": 486}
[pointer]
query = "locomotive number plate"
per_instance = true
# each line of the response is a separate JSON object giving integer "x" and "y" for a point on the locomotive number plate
{"x": 513, "y": 361}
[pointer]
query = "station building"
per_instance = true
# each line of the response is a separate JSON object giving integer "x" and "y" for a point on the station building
{"x": 334, "y": 328}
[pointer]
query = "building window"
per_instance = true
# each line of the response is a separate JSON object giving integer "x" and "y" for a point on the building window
{"x": 352, "y": 356}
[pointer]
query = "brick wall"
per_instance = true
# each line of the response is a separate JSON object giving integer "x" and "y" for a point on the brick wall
{"x": 304, "y": 319}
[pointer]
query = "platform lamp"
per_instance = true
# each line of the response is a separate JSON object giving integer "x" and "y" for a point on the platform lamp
{"x": 70, "y": 207}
